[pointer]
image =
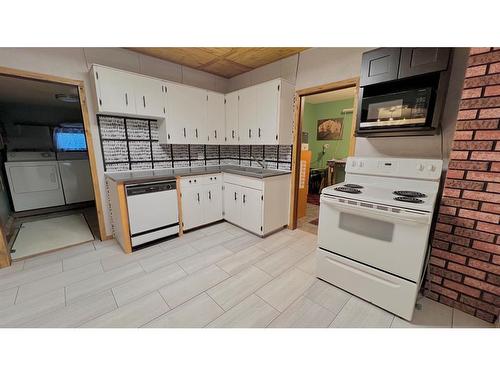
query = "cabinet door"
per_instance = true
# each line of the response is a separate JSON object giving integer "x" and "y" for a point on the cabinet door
{"x": 379, "y": 65}
{"x": 213, "y": 203}
{"x": 416, "y": 61}
{"x": 247, "y": 115}
{"x": 196, "y": 115}
{"x": 149, "y": 97}
{"x": 192, "y": 207}
{"x": 267, "y": 112}
{"x": 115, "y": 91}
{"x": 215, "y": 118}
{"x": 176, "y": 121}
{"x": 231, "y": 110}
{"x": 232, "y": 203}
{"x": 251, "y": 210}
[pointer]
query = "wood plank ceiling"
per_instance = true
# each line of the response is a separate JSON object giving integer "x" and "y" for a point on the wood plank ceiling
{"x": 222, "y": 61}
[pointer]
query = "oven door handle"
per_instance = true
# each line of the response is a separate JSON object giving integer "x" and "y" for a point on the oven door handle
{"x": 374, "y": 213}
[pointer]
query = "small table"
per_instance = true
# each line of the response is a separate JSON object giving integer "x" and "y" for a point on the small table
{"x": 332, "y": 164}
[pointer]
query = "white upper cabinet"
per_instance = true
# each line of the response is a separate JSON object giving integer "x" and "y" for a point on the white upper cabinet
{"x": 150, "y": 97}
{"x": 232, "y": 133}
{"x": 115, "y": 91}
{"x": 247, "y": 115}
{"x": 215, "y": 118}
{"x": 267, "y": 112}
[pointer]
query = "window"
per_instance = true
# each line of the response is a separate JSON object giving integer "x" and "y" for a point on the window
{"x": 70, "y": 139}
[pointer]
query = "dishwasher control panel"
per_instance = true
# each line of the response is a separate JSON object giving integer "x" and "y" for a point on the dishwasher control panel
{"x": 150, "y": 188}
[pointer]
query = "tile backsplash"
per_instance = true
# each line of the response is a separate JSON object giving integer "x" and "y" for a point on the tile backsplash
{"x": 132, "y": 144}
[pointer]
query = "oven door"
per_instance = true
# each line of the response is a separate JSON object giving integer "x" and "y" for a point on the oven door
{"x": 395, "y": 242}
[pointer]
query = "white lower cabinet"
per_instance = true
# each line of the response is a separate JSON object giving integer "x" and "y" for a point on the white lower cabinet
{"x": 201, "y": 199}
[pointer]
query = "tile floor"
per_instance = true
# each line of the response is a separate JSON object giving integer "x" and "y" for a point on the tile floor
{"x": 218, "y": 276}
{"x": 304, "y": 223}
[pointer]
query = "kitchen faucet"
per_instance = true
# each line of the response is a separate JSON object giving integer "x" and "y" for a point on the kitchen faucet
{"x": 262, "y": 162}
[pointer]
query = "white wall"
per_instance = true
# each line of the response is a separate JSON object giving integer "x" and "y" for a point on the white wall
{"x": 75, "y": 63}
{"x": 318, "y": 66}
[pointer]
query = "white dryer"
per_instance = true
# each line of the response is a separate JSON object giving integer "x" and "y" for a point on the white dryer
{"x": 34, "y": 184}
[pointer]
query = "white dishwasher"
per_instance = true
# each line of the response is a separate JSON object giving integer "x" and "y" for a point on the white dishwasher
{"x": 152, "y": 211}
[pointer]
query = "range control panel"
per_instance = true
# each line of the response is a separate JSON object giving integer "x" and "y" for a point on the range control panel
{"x": 426, "y": 169}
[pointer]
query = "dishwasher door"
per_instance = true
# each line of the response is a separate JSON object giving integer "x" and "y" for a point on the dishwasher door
{"x": 152, "y": 207}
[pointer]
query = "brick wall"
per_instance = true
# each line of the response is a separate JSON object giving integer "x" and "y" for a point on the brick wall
{"x": 465, "y": 258}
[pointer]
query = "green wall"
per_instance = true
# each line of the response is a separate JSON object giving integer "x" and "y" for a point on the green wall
{"x": 338, "y": 149}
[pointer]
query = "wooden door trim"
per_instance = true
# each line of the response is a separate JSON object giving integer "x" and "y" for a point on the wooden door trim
{"x": 11, "y": 72}
{"x": 297, "y": 132}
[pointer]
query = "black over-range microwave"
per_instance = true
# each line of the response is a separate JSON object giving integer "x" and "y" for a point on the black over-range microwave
{"x": 402, "y": 91}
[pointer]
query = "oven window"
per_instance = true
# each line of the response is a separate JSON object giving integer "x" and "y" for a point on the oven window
{"x": 366, "y": 227}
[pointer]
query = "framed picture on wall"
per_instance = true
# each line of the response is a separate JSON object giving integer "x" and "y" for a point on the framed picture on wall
{"x": 329, "y": 129}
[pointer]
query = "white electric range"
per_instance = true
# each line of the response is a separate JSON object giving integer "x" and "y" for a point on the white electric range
{"x": 374, "y": 229}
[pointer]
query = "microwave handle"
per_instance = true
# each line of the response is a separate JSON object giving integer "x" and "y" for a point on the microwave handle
{"x": 374, "y": 213}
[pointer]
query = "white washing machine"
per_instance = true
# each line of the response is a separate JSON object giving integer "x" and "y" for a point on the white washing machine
{"x": 34, "y": 183}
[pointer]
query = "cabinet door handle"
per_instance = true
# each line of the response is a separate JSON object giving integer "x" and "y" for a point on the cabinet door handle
{"x": 209, "y": 195}
{"x": 234, "y": 195}
{"x": 259, "y": 132}
{"x": 184, "y": 132}
{"x": 232, "y": 133}
{"x": 244, "y": 196}
{"x": 215, "y": 131}
{"x": 144, "y": 101}
{"x": 249, "y": 133}
{"x": 126, "y": 99}
{"x": 196, "y": 131}
{"x": 198, "y": 196}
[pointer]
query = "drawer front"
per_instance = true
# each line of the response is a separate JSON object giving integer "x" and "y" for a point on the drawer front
{"x": 387, "y": 291}
{"x": 252, "y": 183}
{"x": 201, "y": 180}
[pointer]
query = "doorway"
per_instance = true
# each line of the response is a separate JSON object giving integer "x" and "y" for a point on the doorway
{"x": 49, "y": 196}
{"x": 324, "y": 128}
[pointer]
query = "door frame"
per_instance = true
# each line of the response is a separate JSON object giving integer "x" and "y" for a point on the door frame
{"x": 297, "y": 134}
{"x": 5, "y": 259}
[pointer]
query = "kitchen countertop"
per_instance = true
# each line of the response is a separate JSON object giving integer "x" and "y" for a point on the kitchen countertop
{"x": 169, "y": 173}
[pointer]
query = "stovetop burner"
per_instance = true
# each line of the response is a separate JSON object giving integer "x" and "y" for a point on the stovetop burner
{"x": 347, "y": 189}
{"x": 408, "y": 199}
{"x": 354, "y": 186}
{"x": 409, "y": 194}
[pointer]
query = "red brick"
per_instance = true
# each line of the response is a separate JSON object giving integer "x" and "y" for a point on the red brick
{"x": 464, "y": 203}
{"x": 447, "y": 210}
{"x": 451, "y": 238}
{"x": 479, "y": 304}
{"x": 467, "y": 270}
{"x": 448, "y": 256}
{"x": 478, "y": 215}
{"x": 480, "y": 196}
{"x": 494, "y": 68}
{"x": 453, "y": 173}
{"x": 469, "y": 165}
{"x": 430, "y": 294}
{"x": 437, "y": 261}
{"x": 496, "y": 259}
{"x": 472, "y": 233}
{"x": 463, "y": 184}
{"x": 463, "y": 135}
{"x": 473, "y": 145}
{"x": 440, "y": 244}
{"x": 466, "y": 223}
{"x": 492, "y": 90}
{"x": 478, "y": 50}
{"x": 487, "y": 134}
{"x": 484, "y": 58}
{"x": 486, "y": 227}
{"x": 480, "y": 103}
{"x": 459, "y": 155}
{"x": 488, "y": 113}
{"x": 461, "y": 288}
{"x": 477, "y": 124}
{"x": 471, "y": 93}
{"x": 436, "y": 279}
{"x": 490, "y": 207}
{"x": 493, "y": 79}
{"x": 458, "y": 305}
{"x": 485, "y": 266}
{"x": 469, "y": 252}
{"x": 468, "y": 114}
{"x": 488, "y": 247}
{"x": 490, "y": 298}
{"x": 493, "y": 187}
{"x": 490, "y": 318}
{"x": 476, "y": 71}
{"x": 493, "y": 279}
{"x": 444, "y": 291}
{"x": 444, "y": 227}
{"x": 445, "y": 273}
{"x": 454, "y": 193}
{"x": 483, "y": 176}
{"x": 495, "y": 167}
{"x": 481, "y": 285}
